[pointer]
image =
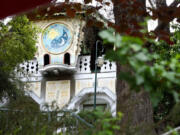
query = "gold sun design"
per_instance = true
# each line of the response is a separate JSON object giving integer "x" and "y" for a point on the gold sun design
{"x": 53, "y": 34}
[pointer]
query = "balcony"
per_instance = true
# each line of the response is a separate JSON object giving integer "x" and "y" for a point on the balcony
{"x": 83, "y": 65}
{"x": 33, "y": 69}
{"x": 57, "y": 69}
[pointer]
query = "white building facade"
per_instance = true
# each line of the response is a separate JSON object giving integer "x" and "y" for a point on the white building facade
{"x": 60, "y": 74}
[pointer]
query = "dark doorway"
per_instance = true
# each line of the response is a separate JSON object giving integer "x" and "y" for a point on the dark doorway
{"x": 67, "y": 59}
{"x": 46, "y": 60}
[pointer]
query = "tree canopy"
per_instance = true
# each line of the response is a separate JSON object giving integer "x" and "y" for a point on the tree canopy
{"x": 17, "y": 44}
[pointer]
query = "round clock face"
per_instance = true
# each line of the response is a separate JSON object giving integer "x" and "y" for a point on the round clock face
{"x": 56, "y": 38}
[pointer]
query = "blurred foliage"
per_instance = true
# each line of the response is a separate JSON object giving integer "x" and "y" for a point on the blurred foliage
{"x": 152, "y": 66}
{"x": 164, "y": 107}
{"x": 172, "y": 131}
{"x": 102, "y": 123}
{"x": 153, "y": 71}
{"x": 23, "y": 117}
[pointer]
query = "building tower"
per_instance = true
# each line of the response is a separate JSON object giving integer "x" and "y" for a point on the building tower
{"x": 61, "y": 73}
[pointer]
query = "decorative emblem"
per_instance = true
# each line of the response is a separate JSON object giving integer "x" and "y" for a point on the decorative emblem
{"x": 56, "y": 38}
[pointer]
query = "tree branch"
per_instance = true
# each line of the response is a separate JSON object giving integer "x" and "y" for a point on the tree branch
{"x": 151, "y": 3}
{"x": 161, "y": 3}
{"x": 175, "y": 3}
{"x": 171, "y": 131}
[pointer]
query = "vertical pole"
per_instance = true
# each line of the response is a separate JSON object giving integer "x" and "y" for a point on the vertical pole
{"x": 95, "y": 83}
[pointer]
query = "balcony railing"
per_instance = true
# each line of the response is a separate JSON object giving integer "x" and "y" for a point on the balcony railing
{"x": 32, "y": 68}
{"x": 83, "y": 65}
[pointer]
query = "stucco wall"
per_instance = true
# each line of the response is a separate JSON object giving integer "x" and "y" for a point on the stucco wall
{"x": 75, "y": 26}
{"x": 58, "y": 91}
{"x": 34, "y": 87}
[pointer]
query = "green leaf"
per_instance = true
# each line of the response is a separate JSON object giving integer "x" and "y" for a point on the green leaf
{"x": 135, "y": 47}
{"x": 108, "y": 35}
{"x": 118, "y": 41}
{"x": 141, "y": 56}
{"x": 139, "y": 79}
{"x": 152, "y": 71}
{"x": 132, "y": 40}
{"x": 176, "y": 96}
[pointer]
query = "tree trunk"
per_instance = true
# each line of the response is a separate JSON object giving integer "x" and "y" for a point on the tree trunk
{"x": 162, "y": 30}
{"x": 136, "y": 107}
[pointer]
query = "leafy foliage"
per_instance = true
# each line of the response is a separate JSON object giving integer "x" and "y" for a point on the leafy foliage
{"x": 28, "y": 119}
{"x": 103, "y": 123}
{"x": 17, "y": 44}
{"x": 147, "y": 70}
{"x": 24, "y": 117}
{"x": 8, "y": 86}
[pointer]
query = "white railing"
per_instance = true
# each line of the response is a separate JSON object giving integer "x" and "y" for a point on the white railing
{"x": 32, "y": 68}
{"x": 108, "y": 66}
{"x": 83, "y": 65}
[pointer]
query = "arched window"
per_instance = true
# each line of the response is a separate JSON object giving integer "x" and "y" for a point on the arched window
{"x": 46, "y": 59}
{"x": 67, "y": 59}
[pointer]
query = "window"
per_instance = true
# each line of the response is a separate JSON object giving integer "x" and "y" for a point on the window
{"x": 46, "y": 59}
{"x": 67, "y": 59}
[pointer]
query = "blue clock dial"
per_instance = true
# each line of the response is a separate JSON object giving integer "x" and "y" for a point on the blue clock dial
{"x": 56, "y": 38}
